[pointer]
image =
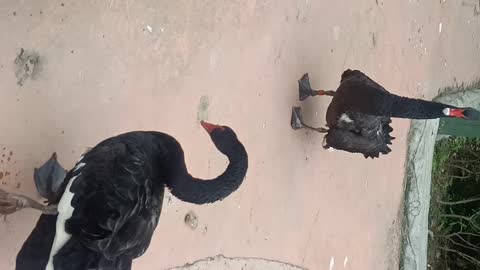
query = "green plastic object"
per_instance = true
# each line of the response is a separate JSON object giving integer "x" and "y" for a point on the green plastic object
{"x": 459, "y": 127}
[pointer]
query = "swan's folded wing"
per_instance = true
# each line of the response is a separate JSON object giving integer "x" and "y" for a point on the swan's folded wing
{"x": 356, "y": 143}
{"x": 115, "y": 210}
{"x": 372, "y": 127}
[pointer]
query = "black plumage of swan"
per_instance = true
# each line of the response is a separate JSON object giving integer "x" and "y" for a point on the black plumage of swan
{"x": 109, "y": 204}
{"x": 359, "y": 115}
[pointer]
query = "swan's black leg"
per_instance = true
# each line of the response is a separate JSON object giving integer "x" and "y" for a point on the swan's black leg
{"x": 296, "y": 121}
{"x": 327, "y": 92}
{"x": 11, "y": 203}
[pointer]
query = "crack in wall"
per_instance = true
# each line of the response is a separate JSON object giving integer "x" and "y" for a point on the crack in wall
{"x": 237, "y": 263}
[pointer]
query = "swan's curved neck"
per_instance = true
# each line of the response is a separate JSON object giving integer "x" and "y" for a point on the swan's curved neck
{"x": 387, "y": 104}
{"x": 198, "y": 191}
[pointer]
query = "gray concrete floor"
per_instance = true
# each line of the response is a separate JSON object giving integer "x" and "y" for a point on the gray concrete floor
{"x": 113, "y": 66}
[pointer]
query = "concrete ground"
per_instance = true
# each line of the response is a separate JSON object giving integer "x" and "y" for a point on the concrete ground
{"x": 107, "y": 67}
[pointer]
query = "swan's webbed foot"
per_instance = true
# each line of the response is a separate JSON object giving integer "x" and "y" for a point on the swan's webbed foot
{"x": 304, "y": 88}
{"x": 49, "y": 178}
{"x": 296, "y": 121}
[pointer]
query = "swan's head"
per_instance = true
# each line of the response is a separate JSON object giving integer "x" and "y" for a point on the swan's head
{"x": 223, "y": 137}
{"x": 465, "y": 113}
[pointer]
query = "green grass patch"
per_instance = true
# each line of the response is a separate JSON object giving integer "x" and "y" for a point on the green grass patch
{"x": 454, "y": 218}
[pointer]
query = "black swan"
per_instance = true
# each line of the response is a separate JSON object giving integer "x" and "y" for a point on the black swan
{"x": 358, "y": 117}
{"x": 111, "y": 200}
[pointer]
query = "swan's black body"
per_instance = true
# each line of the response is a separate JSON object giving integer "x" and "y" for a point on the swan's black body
{"x": 359, "y": 114}
{"x": 118, "y": 188}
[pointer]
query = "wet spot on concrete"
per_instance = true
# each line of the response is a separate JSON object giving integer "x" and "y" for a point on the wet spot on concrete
{"x": 191, "y": 220}
{"x": 202, "y": 113}
{"x": 336, "y": 30}
{"x": 27, "y": 65}
{"x": 213, "y": 60}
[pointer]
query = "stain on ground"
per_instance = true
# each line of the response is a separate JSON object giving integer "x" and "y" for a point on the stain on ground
{"x": 237, "y": 263}
{"x": 202, "y": 113}
{"x": 191, "y": 220}
{"x": 26, "y": 66}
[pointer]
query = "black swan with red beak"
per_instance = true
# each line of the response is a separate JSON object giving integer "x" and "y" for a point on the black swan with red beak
{"x": 358, "y": 117}
{"x": 109, "y": 204}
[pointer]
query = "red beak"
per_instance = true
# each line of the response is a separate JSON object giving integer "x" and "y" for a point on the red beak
{"x": 457, "y": 113}
{"x": 209, "y": 127}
